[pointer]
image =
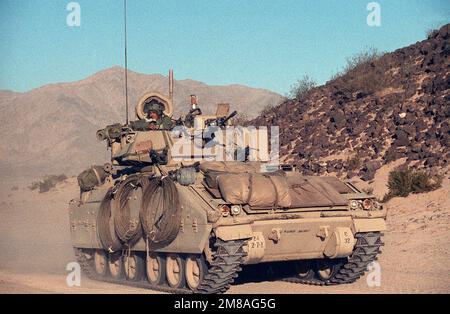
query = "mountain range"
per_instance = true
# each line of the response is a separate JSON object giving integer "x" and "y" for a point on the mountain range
{"x": 381, "y": 108}
{"x": 52, "y": 129}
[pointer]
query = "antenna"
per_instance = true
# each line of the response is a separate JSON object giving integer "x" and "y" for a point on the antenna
{"x": 126, "y": 61}
{"x": 171, "y": 85}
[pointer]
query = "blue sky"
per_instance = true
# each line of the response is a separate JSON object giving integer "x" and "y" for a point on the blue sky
{"x": 260, "y": 43}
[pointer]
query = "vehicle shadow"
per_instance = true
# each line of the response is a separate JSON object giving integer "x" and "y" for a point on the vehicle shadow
{"x": 274, "y": 271}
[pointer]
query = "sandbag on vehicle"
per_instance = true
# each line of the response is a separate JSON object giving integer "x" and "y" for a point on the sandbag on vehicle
{"x": 92, "y": 177}
{"x": 234, "y": 188}
{"x": 282, "y": 188}
{"x": 210, "y": 178}
{"x": 262, "y": 192}
{"x": 256, "y": 190}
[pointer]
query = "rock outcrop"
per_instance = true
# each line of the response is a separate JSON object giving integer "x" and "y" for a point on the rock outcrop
{"x": 396, "y": 106}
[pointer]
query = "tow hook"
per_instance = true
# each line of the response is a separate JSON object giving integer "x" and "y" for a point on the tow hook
{"x": 275, "y": 235}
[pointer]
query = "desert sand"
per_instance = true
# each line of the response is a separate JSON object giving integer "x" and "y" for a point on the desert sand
{"x": 35, "y": 245}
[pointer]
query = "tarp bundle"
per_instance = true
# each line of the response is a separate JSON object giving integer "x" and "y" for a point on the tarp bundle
{"x": 314, "y": 191}
{"x": 230, "y": 166}
{"x": 244, "y": 183}
{"x": 213, "y": 169}
{"x": 277, "y": 190}
{"x": 255, "y": 189}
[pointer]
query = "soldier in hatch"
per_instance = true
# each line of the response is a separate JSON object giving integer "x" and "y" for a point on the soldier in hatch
{"x": 195, "y": 111}
{"x": 156, "y": 118}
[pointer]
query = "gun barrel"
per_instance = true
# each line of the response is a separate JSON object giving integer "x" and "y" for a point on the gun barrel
{"x": 111, "y": 132}
{"x": 229, "y": 117}
{"x": 102, "y": 135}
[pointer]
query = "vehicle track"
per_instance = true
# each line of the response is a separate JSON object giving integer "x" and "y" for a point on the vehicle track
{"x": 366, "y": 249}
{"x": 221, "y": 272}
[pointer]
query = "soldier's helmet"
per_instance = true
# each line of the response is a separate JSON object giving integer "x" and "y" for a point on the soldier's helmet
{"x": 153, "y": 105}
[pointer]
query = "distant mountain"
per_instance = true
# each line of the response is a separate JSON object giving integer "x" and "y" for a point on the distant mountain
{"x": 391, "y": 107}
{"x": 51, "y": 129}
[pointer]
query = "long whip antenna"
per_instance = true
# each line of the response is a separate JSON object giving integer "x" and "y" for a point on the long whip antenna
{"x": 126, "y": 61}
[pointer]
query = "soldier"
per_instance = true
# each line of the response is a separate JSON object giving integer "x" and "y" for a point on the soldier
{"x": 155, "y": 116}
{"x": 195, "y": 111}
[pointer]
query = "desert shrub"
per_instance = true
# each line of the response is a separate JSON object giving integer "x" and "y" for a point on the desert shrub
{"x": 47, "y": 183}
{"x": 390, "y": 155}
{"x": 402, "y": 182}
{"x": 301, "y": 87}
{"x": 422, "y": 182}
{"x": 363, "y": 72}
{"x": 34, "y": 185}
{"x": 15, "y": 188}
{"x": 431, "y": 32}
{"x": 353, "y": 163}
{"x": 362, "y": 59}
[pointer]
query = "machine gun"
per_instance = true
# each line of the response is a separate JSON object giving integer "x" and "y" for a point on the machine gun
{"x": 220, "y": 122}
{"x": 111, "y": 132}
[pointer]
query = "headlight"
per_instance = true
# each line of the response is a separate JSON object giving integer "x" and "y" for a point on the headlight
{"x": 354, "y": 204}
{"x": 367, "y": 204}
{"x": 235, "y": 210}
{"x": 225, "y": 210}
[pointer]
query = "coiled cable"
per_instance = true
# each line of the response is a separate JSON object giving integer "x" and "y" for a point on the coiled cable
{"x": 126, "y": 219}
{"x": 160, "y": 212}
{"x": 105, "y": 225}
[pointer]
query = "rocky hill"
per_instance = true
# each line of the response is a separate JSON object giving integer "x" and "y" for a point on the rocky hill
{"x": 52, "y": 129}
{"x": 395, "y": 106}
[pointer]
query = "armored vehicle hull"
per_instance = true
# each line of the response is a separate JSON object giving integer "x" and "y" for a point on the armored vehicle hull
{"x": 150, "y": 218}
{"x": 210, "y": 239}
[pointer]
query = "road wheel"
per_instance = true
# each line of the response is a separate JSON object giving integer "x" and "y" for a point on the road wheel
{"x": 195, "y": 270}
{"x": 100, "y": 262}
{"x": 175, "y": 271}
{"x": 304, "y": 269}
{"x": 115, "y": 265}
{"x": 326, "y": 269}
{"x": 156, "y": 266}
{"x": 134, "y": 267}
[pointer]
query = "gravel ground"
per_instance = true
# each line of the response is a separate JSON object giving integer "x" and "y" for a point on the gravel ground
{"x": 35, "y": 246}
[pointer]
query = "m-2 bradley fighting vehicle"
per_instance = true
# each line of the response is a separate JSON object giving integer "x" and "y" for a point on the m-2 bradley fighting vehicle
{"x": 150, "y": 218}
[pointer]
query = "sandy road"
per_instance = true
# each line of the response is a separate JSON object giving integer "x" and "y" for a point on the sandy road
{"x": 397, "y": 277}
{"x": 35, "y": 248}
